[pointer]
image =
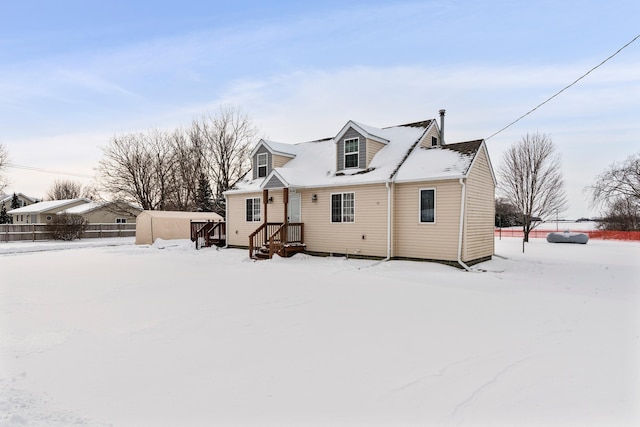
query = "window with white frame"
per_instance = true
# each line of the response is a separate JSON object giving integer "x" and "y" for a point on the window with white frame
{"x": 351, "y": 152}
{"x": 428, "y": 205}
{"x": 343, "y": 207}
{"x": 253, "y": 209}
{"x": 121, "y": 220}
{"x": 262, "y": 165}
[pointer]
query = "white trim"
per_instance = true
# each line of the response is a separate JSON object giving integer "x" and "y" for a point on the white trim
{"x": 361, "y": 131}
{"x": 331, "y": 221}
{"x": 353, "y": 153}
{"x": 265, "y": 165}
{"x": 420, "y": 221}
{"x": 253, "y": 209}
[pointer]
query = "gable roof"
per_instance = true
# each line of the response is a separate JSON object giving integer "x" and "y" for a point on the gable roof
{"x": 449, "y": 161}
{"x": 278, "y": 148}
{"x": 401, "y": 159}
{"x": 53, "y": 205}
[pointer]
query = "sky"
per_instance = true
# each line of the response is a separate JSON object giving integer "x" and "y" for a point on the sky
{"x": 75, "y": 73}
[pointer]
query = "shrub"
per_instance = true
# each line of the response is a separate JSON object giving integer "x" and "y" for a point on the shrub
{"x": 66, "y": 226}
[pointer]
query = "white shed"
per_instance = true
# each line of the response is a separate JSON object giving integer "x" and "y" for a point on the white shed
{"x": 167, "y": 225}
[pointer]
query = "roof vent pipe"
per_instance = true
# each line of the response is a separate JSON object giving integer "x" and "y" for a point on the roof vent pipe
{"x": 442, "y": 126}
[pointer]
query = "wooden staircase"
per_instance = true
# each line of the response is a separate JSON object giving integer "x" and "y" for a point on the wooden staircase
{"x": 208, "y": 233}
{"x": 283, "y": 239}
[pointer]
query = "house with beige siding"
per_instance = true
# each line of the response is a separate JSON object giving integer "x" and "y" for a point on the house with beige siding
{"x": 92, "y": 212}
{"x": 397, "y": 192}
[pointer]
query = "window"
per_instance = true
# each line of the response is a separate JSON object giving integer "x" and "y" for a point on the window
{"x": 434, "y": 141}
{"x": 253, "y": 209}
{"x": 343, "y": 207}
{"x": 428, "y": 206}
{"x": 262, "y": 165}
{"x": 121, "y": 220}
{"x": 351, "y": 150}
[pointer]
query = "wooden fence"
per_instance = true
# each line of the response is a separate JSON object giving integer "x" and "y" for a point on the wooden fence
{"x": 38, "y": 232}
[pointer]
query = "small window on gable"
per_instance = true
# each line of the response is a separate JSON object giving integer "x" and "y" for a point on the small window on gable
{"x": 434, "y": 141}
{"x": 253, "y": 209}
{"x": 351, "y": 152}
{"x": 428, "y": 206}
{"x": 121, "y": 220}
{"x": 262, "y": 165}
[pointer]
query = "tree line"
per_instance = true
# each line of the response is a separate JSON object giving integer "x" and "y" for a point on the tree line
{"x": 184, "y": 169}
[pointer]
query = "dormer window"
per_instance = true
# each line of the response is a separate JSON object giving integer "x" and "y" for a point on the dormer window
{"x": 434, "y": 141}
{"x": 262, "y": 165}
{"x": 351, "y": 152}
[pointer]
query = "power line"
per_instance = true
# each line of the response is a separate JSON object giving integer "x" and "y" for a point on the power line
{"x": 31, "y": 168}
{"x": 563, "y": 89}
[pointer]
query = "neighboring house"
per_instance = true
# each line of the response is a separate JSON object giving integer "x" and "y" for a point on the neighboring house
{"x": 23, "y": 200}
{"x": 43, "y": 212}
{"x": 397, "y": 192}
{"x": 93, "y": 212}
{"x": 106, "y": 213}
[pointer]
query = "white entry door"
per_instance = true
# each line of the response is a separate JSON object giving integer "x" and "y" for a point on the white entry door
{"x": 294, "y": 207}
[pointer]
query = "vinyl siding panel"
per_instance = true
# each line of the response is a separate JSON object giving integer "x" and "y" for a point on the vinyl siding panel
{"x": 436, "y": 241}
{"x": 238, "y": 229}
{"x": 321, "y": 235}
{"x": 372, "y": 148}
{"x": 279, "y": 161}
{"x": 254, "y": 161}
{"x": 274, "y": 182}
{"x": 426, "y": 140}
{"x": 480, "y": 210}
{"x": 362, "y": 149}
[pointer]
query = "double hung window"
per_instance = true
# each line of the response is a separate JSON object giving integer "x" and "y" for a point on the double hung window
{"x": 262, "y": 165}
{"x": 351, "y": 153}
{"x": 343, "y": 207}
{"x": 253, "y": 209}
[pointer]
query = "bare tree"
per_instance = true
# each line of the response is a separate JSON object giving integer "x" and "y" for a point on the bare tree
{"x": 531, "y": 180}
{"x": 126, "y": 171}
{"x": 4, "y": 161}
{"x": 224, "y": 141}
{"x": 65, "y": 189}
{"x": 617, "y": 192}
{"x": 184, "y": 173}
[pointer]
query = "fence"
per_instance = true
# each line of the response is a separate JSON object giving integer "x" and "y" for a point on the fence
{"x": 38, "y": 232}
{"x": 593, "y": 234}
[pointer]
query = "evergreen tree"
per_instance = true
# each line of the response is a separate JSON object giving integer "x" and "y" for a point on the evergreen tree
{"x": 204, "y": 195}
{"x": 15, "y": 203}
{"x": 4, "y": 217}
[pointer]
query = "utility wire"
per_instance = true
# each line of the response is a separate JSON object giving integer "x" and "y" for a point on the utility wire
{"x": 563, "y": 89}
{"x": 30, "y": 168}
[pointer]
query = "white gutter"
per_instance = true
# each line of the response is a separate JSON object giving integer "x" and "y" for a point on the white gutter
{"x": 462, "y": 206}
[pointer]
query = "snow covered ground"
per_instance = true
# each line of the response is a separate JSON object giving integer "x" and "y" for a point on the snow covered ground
{"x": 159, "y": 335}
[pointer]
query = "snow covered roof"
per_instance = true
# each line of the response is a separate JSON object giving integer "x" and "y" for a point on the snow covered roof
{"x": 279, "y": 148}
{"x": 400, "y": 159}
{"x": 48, "y": 206}
{"x": 91, "y": 206}
{"x": 8, "y": 197}
{"x": 434, "y": 163}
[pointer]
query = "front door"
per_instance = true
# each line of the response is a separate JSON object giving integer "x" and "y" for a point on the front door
{"x": 294, "y": 207}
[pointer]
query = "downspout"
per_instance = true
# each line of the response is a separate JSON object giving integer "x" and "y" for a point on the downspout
{"x": 388, "y": 221}
{"x": 226, "y": 222}
{"x": 462, "y": 206}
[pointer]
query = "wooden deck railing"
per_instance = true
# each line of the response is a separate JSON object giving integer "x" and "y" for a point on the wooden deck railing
{"x": 275, "y": 235}
{"x": 206, "y": 233}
